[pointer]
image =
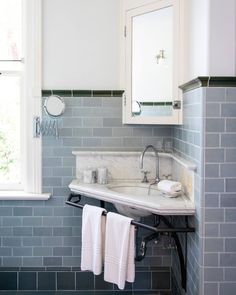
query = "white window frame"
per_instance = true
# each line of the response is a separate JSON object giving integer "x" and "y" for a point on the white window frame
{"x": 31, "y": 105}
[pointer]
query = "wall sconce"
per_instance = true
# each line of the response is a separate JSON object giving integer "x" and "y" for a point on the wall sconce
{"x": 161, "y": 57}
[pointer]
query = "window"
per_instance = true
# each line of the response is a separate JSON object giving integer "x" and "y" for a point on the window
{"x": 20, "y": 95}
{"x": 10, "y": 93}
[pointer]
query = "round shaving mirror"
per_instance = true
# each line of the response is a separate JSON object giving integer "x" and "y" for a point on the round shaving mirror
{"x": 54, "y": 106}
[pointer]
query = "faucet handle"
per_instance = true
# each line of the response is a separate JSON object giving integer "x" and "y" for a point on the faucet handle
{"x": 145, "y": 172}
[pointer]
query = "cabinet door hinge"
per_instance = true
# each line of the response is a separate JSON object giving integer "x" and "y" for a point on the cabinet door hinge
{"x": 36, "y": 127}
{"x": 125, "y": 31}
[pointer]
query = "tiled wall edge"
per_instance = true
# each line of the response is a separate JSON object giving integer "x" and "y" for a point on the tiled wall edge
{"x": 66, "y": 279}
{"x": 208, "y": 81}
{"x": 83, "y": 93}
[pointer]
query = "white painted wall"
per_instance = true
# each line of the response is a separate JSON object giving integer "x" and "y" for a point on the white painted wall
{"x": 82, "y": 41}
{"x": 195, "y": 32}
{"x": 81, "y": 44}
{"x": 222, "y": 41}
{"x": 210, "y": 38}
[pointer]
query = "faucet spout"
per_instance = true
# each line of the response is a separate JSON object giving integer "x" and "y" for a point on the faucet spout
{"x": 150, "y": 146}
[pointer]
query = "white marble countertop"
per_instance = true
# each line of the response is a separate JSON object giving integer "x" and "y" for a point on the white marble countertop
{"x": 156, "y": 204}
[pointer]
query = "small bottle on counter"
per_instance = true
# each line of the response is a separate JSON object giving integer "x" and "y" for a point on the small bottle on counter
{"x": 102, "y": 177}
{"x": 89, "y": 175}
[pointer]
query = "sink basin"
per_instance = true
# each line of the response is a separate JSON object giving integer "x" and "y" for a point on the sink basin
{"x": 135, "y": 189}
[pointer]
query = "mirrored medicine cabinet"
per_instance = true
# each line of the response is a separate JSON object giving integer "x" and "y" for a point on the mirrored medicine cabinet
{"x": 152, "y": 59}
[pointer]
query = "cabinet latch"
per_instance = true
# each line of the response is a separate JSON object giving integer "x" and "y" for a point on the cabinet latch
{"x": 176, "y": 104}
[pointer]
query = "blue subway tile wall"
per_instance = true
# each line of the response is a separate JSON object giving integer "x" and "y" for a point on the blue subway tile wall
{"x": 187, "y": 142}
{"x": 211, "y": 251}
{"x": 219, "y": 202}
{"x": 47, "y": 234}
{"x": 92, "y": 123}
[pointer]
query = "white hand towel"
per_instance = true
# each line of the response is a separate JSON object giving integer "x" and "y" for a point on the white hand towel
{"x": 93, "y": 239}
{"x": 169, "y": 186}
{"x": 119, "y": 265}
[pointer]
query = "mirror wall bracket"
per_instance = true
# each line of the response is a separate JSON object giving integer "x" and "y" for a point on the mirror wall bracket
{"x": 46, "y": 128}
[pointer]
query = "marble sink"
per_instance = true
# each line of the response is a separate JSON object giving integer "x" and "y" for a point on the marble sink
{"x": 131, "y": 198}
{"x": 124, "y": 188}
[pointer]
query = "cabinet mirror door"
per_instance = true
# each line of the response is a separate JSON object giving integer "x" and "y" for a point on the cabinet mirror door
{"x": 151, "y": 94}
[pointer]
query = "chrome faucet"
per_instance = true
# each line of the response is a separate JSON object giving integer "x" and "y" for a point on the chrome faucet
{"x": 157, "y": 178}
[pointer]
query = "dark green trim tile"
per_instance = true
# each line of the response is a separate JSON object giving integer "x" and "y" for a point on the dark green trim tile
{"x": 47, "y": 280}
{"x": 161, "y": 280}
{"x": 84, "y": 281}
{"x": 100, "y": 284}
{"x": 146, "y": 103}
{"x": 142, "y": 281}
{"x": 32, "y": 269}
{"x": 84, "y": 93}
{"x": 128, "y": 287}
{"x": 207, "y": 81}
{"x": 65, "y": 281}
{"x": 76, "y": 268}
{"x": 9, "y": 269}
{"x": 222, "y": 82}
{"x": 8, "y": 280}
{"x": 117, "y": 93}
{"x": 102, "y": 93}
{"x": 27, "y": 281}
{"x": 161, "y": 268}
{"x": 122, "y": 292}
{"x": 141, "y": 268}
{"x": 150, "y": 293}
{"x": 58, "y": 268}
{"x": 46, "y": 92}
{"x": 103, "y": 293}
{"x": 158, "y": 103}
{"x": 67, "y": 93}
{"x": 81, "y": 93}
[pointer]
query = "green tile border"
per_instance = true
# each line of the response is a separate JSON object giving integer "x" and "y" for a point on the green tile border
{"x": 84, "y": 93}
{"x": 208, "y": 81}
{"x": 66, "y": 93}
{"x": 117, "y": 93}
{"x": 101, "y": 93}
{"x": 159, "y": 103}
{"x": 81, "y": 93}
{"x": 46, "y": 92}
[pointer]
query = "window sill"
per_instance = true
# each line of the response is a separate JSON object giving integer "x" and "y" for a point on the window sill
{"x": 23, "y": 196}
